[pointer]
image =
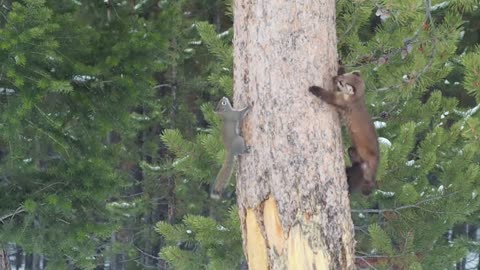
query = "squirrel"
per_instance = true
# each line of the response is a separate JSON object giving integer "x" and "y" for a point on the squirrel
{"x": 364, "y": 153}
{"x": 233, "y": 142}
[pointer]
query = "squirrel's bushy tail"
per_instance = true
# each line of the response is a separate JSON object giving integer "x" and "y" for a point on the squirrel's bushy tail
{"x": 222, "y": 177}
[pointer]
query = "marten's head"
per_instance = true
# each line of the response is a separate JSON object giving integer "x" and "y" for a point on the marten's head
{"x": 350, "y": 84}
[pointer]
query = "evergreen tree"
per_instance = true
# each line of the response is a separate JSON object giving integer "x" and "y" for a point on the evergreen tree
{"x": 205, "y": 151}
{"x": 204, "y": 242}
{"x": 417, "y": 66}
{"x": 87, "y": 89}
{"x": 162, "y": 192}
{"x": 70, "y": 75}
{"x": 429, "y": 162}
{"x": 106, "y": 127}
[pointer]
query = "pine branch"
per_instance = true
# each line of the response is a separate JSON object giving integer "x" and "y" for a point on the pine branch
{"x": 158, "y": 86}
{"x": 417, "y": 76}
{"x": 146, "y": 254}
{"x": 416, "y": 205}
{"x": 19, "y": 210}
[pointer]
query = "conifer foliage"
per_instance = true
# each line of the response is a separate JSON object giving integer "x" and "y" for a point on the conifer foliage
{"x": 423, "y": 94}
{"x": 201, "y": 242}
{"x": 429, "y": 172}
{"x": 67, "y": 81}
{"x": 107, "y": 127}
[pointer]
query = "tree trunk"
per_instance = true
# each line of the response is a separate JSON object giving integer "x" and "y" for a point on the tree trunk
{"x": 291, "y": 187}
{"x": 4, "y": 263}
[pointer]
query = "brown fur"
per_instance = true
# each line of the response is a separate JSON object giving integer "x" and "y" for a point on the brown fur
{"x": 364, "y": 153}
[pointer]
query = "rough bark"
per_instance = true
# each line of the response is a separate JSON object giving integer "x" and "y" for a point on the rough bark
{"x": 4, "y": 263}
{"x": 291, "y": 187}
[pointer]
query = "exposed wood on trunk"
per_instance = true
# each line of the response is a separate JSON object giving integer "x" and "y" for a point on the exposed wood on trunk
{"x": 256, "y": 249}
{"x": 291, "y": 187}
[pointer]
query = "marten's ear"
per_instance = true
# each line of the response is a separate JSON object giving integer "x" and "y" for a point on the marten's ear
{"x": 356, "y": 72}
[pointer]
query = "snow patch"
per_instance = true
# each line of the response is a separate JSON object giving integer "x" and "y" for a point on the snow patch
{"x": 379, "y": 124}
{"x": 139, "y": 5}
{"x": 410, "y": 163}
{"x": 384, "y": 141}
{"x": 385, "y": 194}
{"x": 468, "y": 113}
{"x": 152, "y": 168}
{"x": 221, "y": 228}
{"x": 383, "y": 13}
{"x": 122, "y": 204}
{"x": 180, "y": 160}
{"x": 196, "y": 42}
{"x": 440, "y": 5}
{"x": 82, "y": 78}
{"x": 223, "y": 34}
{"x": 139, "y": 117}
{"x": 6, "y": 91}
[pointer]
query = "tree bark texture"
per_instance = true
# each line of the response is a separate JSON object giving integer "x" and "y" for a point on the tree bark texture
{"x": 4, "y": 263}
{"x": 291, "y": 187}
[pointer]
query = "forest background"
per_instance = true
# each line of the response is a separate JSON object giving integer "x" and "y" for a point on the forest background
{"x": 108, "y": 141}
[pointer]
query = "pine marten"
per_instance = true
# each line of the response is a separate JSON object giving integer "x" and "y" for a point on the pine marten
{"x": 364, "y": 153}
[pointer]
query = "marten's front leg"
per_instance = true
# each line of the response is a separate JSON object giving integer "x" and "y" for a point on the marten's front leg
{"x": 333, "y": 98}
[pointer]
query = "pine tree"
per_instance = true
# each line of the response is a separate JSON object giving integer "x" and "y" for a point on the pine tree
{"x": 204, "y": 242}
{"x": 162, "y": 192}
{"x": 68, "y": 81}
{"x": 429, "y": 163}
{"x": 167, "y": 194}
{"x": 87, "y": 89}
{"x": 413, "y": 56}
{"x": 196, "y": 158}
